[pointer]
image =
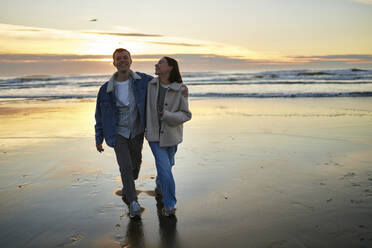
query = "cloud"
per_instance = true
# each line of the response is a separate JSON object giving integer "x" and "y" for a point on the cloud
{"x": 28, "y": 30}
{"x": 363, "y": 1}
{"x": 42, "y": 58}
{"x": 344, "y": 58}
{"x": 220, "y": 59}
{"x": 46, "y": 56}
{"x": 191, "y": 58}
{"x": 36, "y": 40}
{"x": 124, "y": 34}
{"x": 186, "y": 58}
{"x": 174, "y": 44}
{"x": 31, "y": 64}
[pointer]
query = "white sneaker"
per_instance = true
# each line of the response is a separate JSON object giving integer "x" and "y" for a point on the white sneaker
{"x": 134, "y": 209}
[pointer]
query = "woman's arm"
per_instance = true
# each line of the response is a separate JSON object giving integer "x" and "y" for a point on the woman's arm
{"x": 178, "y": 117}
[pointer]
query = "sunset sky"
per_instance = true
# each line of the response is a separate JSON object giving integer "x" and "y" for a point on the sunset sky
{"x": 79, "y": 36}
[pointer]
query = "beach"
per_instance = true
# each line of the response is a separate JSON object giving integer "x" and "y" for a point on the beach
{"x": 251, "y": 172}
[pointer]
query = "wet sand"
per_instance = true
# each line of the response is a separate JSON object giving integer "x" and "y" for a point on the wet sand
{"x": 250, "y": 173}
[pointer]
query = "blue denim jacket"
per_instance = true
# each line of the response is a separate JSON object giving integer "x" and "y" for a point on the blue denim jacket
{"x": 106, "y": 116}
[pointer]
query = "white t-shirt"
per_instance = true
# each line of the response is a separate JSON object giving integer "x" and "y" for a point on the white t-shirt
{"x": 122, "y": 92}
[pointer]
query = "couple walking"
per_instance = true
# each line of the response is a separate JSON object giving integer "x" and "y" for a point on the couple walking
{"x": 132, "y": 105}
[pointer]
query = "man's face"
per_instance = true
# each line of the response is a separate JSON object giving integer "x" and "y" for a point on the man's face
{"x": 122, "y": 61}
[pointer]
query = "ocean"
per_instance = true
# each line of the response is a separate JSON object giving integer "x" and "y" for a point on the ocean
{"x": 265, "y": 84}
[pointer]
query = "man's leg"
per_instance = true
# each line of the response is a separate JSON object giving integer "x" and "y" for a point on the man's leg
{"x": 125, "y": 165}
{"x": 135, "y": 150}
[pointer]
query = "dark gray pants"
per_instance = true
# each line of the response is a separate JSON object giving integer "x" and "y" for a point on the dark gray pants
{"x": 129, "y": 156}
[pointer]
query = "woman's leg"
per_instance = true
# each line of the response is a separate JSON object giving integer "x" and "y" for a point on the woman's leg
{"x": 171, "y": 152}
{"x": 165, "y": 176}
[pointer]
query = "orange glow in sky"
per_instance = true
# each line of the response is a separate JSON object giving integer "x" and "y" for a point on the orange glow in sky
{"x": 239, "y": 34}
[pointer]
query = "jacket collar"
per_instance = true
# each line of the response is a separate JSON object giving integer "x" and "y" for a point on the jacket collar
{"x": 173, "y": 86}
{"x": 110, "y": 85}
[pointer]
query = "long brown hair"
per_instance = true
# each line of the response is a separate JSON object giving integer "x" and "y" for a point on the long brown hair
{"x": 175, "y": 75}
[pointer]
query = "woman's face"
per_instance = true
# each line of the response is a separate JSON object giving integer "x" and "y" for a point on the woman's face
{"x": 162, "y": 67}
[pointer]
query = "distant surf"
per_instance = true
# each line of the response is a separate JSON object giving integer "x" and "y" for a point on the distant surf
{"x": 267, "y": 84}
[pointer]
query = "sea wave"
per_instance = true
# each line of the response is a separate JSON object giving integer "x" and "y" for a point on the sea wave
{"x": 350, "y": 74}
{"x": 48, "y": 79}
{"x": 48, "y": 97}
{"x": 33, "y": 86}
{"x": 264, "y": 84}
{"x": 279, "y": 82}
{"x": 214, "y": 95}
{"x": 286, "y": 95}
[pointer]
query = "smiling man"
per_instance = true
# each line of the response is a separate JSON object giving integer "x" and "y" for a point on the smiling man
{"x": 120, "y": 121}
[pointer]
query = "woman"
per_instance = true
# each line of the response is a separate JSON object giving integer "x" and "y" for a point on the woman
{"x": 166, "y": 111}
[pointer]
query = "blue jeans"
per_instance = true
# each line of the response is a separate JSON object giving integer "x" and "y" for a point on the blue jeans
{"x": 164, "y": 160}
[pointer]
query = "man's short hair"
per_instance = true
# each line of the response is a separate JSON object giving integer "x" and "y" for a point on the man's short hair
{"x": 119, "y": 50}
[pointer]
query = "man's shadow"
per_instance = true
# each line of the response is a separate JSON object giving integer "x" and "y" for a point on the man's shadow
{"x": 134, "y": 236}
{"x": 167, "y": 227}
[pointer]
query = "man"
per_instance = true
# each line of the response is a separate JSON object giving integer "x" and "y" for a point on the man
{"x": 120, "y": 120}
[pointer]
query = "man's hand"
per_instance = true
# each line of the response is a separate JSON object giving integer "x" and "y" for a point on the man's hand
{"x": 185, "y": 91}
{"x": 99, "y": 148}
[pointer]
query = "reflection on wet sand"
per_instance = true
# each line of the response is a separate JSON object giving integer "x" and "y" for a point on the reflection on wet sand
{"x": 295, "y": 163}
{"x": 134, "y": 235}
{"x": 167, "y": 226}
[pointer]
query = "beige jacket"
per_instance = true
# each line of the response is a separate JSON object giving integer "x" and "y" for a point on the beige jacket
{"x": 176, "y": 112}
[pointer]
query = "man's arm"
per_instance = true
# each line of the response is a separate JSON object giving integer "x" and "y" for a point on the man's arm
{"x": 145, "y": 76}
{"x": 98, "y": 127}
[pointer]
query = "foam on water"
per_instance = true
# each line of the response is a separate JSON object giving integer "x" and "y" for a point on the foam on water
{"x": 267, "y": 84}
